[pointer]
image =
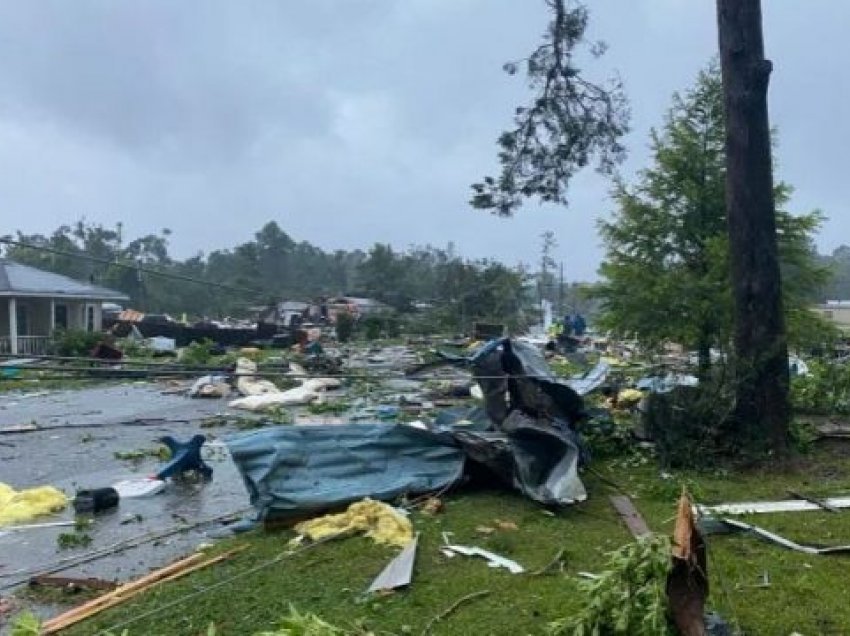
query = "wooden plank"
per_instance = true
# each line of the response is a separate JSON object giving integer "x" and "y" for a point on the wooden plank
{"x": 630, "y": 516}
{"x": 128, "y": 591}
{"x": 101, "y": 601}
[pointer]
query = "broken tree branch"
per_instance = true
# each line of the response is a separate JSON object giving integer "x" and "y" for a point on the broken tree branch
{"x": 557, "y": 560}
{"x": 451, "y": 608}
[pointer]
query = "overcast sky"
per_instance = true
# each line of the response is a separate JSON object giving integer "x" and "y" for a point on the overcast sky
{"x": 355, "y": 121}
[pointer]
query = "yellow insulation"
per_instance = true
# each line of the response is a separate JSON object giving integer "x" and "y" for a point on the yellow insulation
{"x": 20, "y": 506}
{"x": 378, "y": 521}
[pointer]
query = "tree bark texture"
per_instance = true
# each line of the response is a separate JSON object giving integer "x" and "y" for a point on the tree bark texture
{"x": 761, "y": 351}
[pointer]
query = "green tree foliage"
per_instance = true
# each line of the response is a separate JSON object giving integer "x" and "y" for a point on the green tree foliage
{"x": 569, "y": 122}
{"x": 666, "y": 271}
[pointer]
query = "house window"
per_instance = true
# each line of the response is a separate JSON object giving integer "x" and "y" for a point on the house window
{"x": 60, "y": 316}
{"x": 89, "y": 318}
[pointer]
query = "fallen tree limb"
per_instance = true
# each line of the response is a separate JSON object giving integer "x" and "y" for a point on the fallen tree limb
{"x": 558, "y": 560}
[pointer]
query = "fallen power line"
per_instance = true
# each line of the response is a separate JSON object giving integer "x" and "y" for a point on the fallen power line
{"x": 136, "y": 267}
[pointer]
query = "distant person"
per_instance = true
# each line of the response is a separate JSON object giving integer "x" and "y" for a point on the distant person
{"x": 579, "y": 325}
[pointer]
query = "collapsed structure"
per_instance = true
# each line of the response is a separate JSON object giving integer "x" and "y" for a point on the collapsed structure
{"x": 525, "y": 436}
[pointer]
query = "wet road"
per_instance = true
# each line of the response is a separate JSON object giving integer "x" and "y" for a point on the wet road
{"x": 82, "y": 431}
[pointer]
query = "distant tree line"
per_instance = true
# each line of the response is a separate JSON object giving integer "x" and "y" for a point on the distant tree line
{"x": 450, "y": 290}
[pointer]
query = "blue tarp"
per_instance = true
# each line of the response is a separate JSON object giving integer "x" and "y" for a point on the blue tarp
{"x": 302, "y": 470}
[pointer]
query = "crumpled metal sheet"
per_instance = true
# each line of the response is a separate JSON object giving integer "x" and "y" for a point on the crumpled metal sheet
{"x": 299, "y": 470}
{"x": 520, "y": 370}
{"x": 591, "y": 380}
{"x": 538, "y": 459}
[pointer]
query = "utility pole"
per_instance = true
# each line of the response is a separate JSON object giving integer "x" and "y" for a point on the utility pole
{"x": 141, "y": 286}
{"x": 561, "y": 291}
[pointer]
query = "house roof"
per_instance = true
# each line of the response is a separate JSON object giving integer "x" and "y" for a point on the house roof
{"x": 22, "y": 280}
{"x": 292, "y": 305}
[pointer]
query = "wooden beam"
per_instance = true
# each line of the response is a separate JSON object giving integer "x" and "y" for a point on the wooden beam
{"x": 630, "y": 516}
{"x": 127, "y": 591}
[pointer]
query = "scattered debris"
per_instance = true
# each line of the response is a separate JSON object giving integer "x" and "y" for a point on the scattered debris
{"x": 210, "y": 386}
{"x": 185, "y": 457}
{"x": 399, "y": 571}
{"x": 72, "y": 583}
{"x": 310, "y": 391}
{"x": 818, "y": 502}
{"x": 787, "y": 543}
{"x": 130, "y": 488}
{"x": 789, "y": 505}
{"x": 248, "y": 384}
{"x": 19, "y": 428}
{"x": 35, "y": 526}
{"x": 432, "y": 506}
{"x": 493, "y": 560}
{"x": 95, "y": 500}
{"x": 506, "y": 525}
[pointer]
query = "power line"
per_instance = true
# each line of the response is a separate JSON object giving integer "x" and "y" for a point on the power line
{"x": 136, "y": 267}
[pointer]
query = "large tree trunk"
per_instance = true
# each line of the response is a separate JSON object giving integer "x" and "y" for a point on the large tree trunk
{"x": 761, "y": 352}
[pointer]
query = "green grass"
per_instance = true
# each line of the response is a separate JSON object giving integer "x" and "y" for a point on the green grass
{"x": 807, "y": 593}
{"x": 30, "y": 382}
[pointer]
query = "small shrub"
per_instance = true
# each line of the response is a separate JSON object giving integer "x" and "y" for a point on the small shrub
{"x": 75, "y": 342}
{"x": 604, "y": 436}
{"x": 198, "y": 353}
{"x": 825, "y": 390}
{"x": 688, "y": 425}
{"x": 803, "y": 435}
{"x": 392, "y": 326}
{"x": 344, "y": 326}
{"x": 134, "y": 349}
{"x": 69, "y": 540}
{"x": 333, "y": 408}
{"x": 372, "y": 327}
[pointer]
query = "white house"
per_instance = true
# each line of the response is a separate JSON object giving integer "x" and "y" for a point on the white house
{"x": 837, "y": 312}
{"x": 33, "y": 303}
